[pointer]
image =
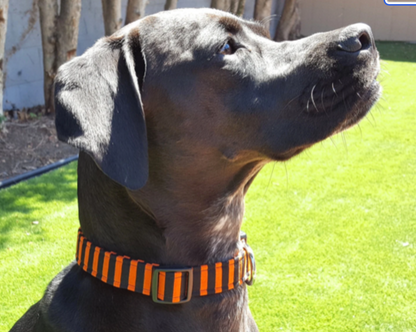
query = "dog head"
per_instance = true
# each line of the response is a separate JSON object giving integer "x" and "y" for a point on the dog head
{"x": 196, "y": 80}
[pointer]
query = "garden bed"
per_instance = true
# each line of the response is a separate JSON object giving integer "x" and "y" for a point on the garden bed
{"x": 29, "y": 142}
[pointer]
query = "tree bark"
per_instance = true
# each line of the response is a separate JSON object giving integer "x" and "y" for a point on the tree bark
{"x": 171, "y": 4}
{"x": 59, "y": 40}
{"x": 262, "y": 11}
{"x": 240, "y": 8}
{"x": 135, "y": 10}
{"x": 4, "y": 8}
{"x": 217, "y": 4}
{"x": 67, "y": 31}
{"x": 232, "y": 6}
{"x": 288, "y": 27}
{"x": 48, "y": 11}
{"x": 112, "y": 16}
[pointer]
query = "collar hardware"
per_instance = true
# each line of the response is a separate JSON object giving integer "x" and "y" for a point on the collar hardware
{"x": 159, "y": 276}
{"x": 251, "y": 266}
{"x": 166, "y": 285}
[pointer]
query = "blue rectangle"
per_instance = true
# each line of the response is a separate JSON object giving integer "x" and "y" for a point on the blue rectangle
{"x": 401, "y": 3}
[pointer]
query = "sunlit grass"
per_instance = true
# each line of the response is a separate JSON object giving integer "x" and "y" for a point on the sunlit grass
{"x": 38, "y": 222}
{"x": 334, "y": 236}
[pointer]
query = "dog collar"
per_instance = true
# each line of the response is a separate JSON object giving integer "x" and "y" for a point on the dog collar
{"x": 166, "y": 285}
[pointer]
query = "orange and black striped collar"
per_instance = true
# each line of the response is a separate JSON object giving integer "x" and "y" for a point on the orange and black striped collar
{"x": 166, "y": 285}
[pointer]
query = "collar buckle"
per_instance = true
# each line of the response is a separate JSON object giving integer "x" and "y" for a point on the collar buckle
{"x": 251, "y": 265}
{"x": 250, "y": 273}
{"x": 155, "y": 284}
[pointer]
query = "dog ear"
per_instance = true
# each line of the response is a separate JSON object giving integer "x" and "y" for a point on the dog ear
{"x": 99, "y": 108}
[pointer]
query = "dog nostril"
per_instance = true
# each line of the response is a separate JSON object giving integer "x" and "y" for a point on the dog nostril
{"x": 365, "y": 40}
{"x": 350, "y": 45}
{"x": 355, "y": 38}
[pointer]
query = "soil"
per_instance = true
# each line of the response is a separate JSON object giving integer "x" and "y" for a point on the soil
{"x": 28, "y": 141}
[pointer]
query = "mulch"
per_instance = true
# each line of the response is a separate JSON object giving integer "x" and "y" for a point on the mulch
{"x": 28, "y": 141}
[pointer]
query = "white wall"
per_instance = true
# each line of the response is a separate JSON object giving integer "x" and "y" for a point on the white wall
{"x": 24, "y": 66}
{"x": 396, "y": 23}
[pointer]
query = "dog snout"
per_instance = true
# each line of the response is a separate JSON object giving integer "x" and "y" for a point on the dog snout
{"x": 355, "y": 38}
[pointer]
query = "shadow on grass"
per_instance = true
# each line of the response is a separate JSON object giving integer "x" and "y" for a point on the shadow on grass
{"x": 397, "y": 51}
{"x": 33, "y": 198}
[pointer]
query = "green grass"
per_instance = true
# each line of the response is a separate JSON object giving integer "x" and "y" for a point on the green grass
{"x": 32, "y": 254}
{"x": 334, "y": 237}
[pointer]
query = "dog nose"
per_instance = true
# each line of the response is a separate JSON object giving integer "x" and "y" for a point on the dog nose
{"x": 355, "y": 38}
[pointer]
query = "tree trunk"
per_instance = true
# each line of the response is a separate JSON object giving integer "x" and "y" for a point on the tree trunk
{"x": 59, "y": 40}
{"x": 289, "y": 24}
{"x": 67, "y": 31}
{"x": 232, "y": 6}
{"x": 135, "y": 10}
{"x": 48, "y": 11}
{"x": 4, "y": 8}
{"x": 112, "y": 16}
{"x": 171, "y": 4}
{"x": 262, "y": 11}
{"x": 218, "y": 4}
{"x": 240, "y": 8}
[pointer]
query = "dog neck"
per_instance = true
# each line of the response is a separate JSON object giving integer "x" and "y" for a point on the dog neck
{"x": 185, "y": 220}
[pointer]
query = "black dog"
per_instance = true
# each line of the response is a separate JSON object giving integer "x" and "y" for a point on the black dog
{"x": 175, "y": 115}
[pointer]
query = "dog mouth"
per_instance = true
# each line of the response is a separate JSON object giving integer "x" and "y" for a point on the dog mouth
{"x": 333, "y": 107}
{"x": 330, "y": 113}
{"x": 348, "y": 97}
{"x": 329, "y": 90}
{"x": 359, "y": 109}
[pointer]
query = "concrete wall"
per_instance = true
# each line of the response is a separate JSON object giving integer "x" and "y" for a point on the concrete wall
{"x": 23, "y": 50}
{"x": 388, "y": 22}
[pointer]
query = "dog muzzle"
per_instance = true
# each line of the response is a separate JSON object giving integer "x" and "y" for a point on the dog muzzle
{"x": 166, "y": 285}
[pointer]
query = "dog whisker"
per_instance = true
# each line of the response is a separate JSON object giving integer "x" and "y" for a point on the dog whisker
{"x": 270, "y": 178}
{"x": 383, "y": 99}
{"x": 333, "y": 142}
{"x": 361, "y": 132}
{"x": 270, "y": 18}
{"x": 384, "y": 70}
{"x": 322, "y": 101}
{"x": 372, "y": 116}
{"x": 333, "y": 89}
{"x": 381, "y": 78}
{"x": 332, "y": 103}
{"x": 380, "y": 108}
{"x": 367, "y": 118}
{"x": 290, "y": 101}
{"x": 305, "y": 109}
{"x": 348, "y": 104}
{"x": 345, "y": 103}
{"x": 344, "y": 141}
{"x": 313, "y": 101}
{"x": 287, "y": 176}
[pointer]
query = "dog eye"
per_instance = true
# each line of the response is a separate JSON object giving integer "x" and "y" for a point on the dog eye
{"x": 227, "y": 48}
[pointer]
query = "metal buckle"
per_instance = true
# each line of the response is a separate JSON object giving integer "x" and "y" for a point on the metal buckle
{"x": 243, "y": 237}
{"x": 155, "y": 284}
{"x": 250, "y": 277}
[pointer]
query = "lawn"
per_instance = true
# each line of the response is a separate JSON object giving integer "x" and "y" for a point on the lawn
{"x": 333, "y": 230}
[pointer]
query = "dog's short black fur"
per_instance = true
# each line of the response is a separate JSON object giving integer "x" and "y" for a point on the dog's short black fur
{"x": 175, "y": 115}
